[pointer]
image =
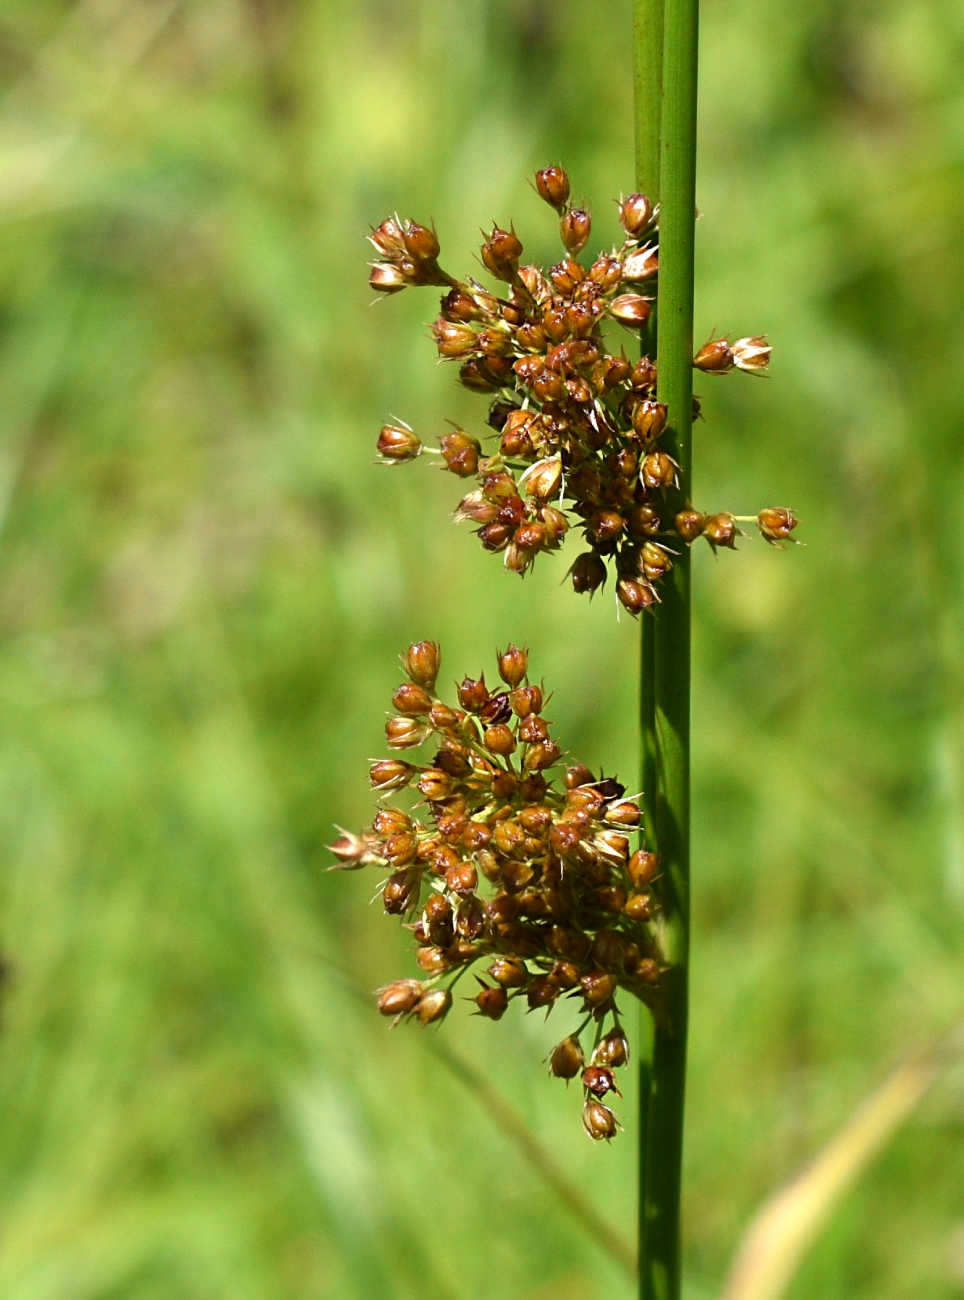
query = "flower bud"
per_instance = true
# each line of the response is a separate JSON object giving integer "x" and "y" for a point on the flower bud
{"x": 433, "y": 1005}
{"x": 633, "y": 595}
{"x": 642, "y": 265}
{"x": 636, "y": 215}
{"x": 499, "y": 739}
{"x": 721, "y": 530}
{"x": 649, "y": 420}
{"x": 397, "y": 443}
{"x": 631, "y": 309}
{"x": 588, "y": 572}
{"x": 612, "y": 1050}
{"x": 642, "y": 867}
{"x": 421, "y": 244}
{"x": 491, "y": 1002}
{"x": 399, "y": 997}
{"x": 543, "y": 479}
{"x": 461, "y": 453}
{"x": 751, "y": 354}
{"x": 598, "y": 1121}
{"x": 406, "y": 733}
{"x": 776, "y": 524}
{"x": 658, "y": 470}
{"x": 599, "y": 1079}
{"x": 575, "y": 227}
{"x": 411, "y": 699}
{"x": 385, "y": 277}
{"x": 689, "y": 524}
{"x": 553, "y": 186}
{"x": 714, "y": 357}
{"x": 566, "y": 1059}
{"x": 501, "y": 253}
{"x": 509, "y": 972}
{"x": 513, "y": 665}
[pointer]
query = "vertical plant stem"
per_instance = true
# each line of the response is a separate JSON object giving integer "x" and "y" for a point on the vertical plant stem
{"x": 648, "y": 85}
{"x": 660, "y": 1271}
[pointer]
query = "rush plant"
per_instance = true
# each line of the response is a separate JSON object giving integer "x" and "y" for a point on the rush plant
{"x": 589, "y": 429}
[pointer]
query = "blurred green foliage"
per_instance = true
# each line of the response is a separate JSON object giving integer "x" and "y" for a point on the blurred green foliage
{"x": 204, "y": 582}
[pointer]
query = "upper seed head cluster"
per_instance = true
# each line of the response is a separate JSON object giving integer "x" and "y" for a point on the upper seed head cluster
{"x": 580, "y": 428}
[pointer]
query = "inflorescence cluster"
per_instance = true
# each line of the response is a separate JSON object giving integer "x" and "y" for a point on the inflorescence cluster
{"x": 496, "y": 860}
{"x": 579, "y": 425}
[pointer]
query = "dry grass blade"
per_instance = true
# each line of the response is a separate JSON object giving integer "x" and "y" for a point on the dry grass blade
{"x": 790, "y": 1221}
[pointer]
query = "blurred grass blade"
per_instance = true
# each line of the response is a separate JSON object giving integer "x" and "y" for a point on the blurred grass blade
{"x": 791, "y": 1220}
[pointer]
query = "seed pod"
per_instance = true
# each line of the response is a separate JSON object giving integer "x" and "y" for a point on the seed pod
{"x": 658, "y": 470}
{"x": 436, "y": 784}
{"x": 606, "y": 272}
{"x": 400, "y": 892}
{"x": 352, "y": 851}
{"x": 575, "y": 227}
{"x": 636, "y": 215}
{"x": 566, "y": 1059}
{"x": 641, "y": 265}
{"x": 689, "y": 524}
{"x": 634, "y": 595}
{"x": 649, "y": 420}
{"x": 476, "y": 836}
{"x": 500, "y": 254}
{"x": 751, "y": 354}
{"x": 721, "y": 530}
{"x": 457, "y": 305}
{"x": 631, "y": 309}
{"x": 543, "y": 479}
{"x": 397, "y": 444}
{"x": 461, "y": 453}
{"x": 470, "y": 919}
{"x": 540, "y": 756}
{"x": 406, "y": 733}
{"x": 431, "y": 959}
{"x": 552, "y": 184}
{"x": 776, "y": 524}
{"x": 608, "y": 525}
{"x": 517, "y": 559}
{"x": 526, "y": 700}
{"x": 613, "y": 1050}
{"x": 530, "y": 537}
{"x": 653, "y": 562}
{"x": 411, "y": 699}
{"x": 565, "y": 974}
{"x": 639, "y": 907}
{"x": 648, "y": 971}
{"x": 599, "y": 1079}
{"x": 598, "y": 1121}
{"x": 541, "y": 993}
{"x": 642, "y": 521}
{"x": 556, "y": 525}
{"x": 532, "y": 788}
{"x": 421, "y": 244}
{"x": 478, "y": 376}
{"x": 612, "y": 845}
{"x": 454, "y": 339}
{"x": 433, "y": 1005}
{"x": 624, "y": 813}
{"x": 509, "y": 972}
{"x": 491, "y": 1002}
{"x": 385, "y": 277}
{"x": 388, "y": 238}
{"x": 401, "y": 848}
{"x": 513, "y": 666}
{"x": 473, "y": 693}
{"x": 588, "y": 572}
{"x": 475, "y": 507}
{"x": 642, "y": 867}
{"x": 597, "y": 987}
{"x": 714, "y": 357}
{"x": 499, "y": 739}
{"x": 494, "y": 537}
{"x": 399, "y": 997}
{"x": 390, "y": 774}
{"x": 533, "y": 729}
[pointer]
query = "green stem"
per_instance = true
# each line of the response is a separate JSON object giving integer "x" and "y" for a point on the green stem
{"x": 660, "y": 1266}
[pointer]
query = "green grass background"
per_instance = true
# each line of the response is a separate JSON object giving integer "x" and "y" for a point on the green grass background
{"x": 204, "y": 582}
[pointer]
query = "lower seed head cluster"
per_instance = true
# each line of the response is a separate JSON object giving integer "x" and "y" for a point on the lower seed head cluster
{"x": 580, "y": 429}
{"x": 501, "y": 857}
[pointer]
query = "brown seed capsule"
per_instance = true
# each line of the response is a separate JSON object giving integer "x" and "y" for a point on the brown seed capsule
{"x": 553, "y": 186}
{"x": 457, "y": 305}
{"x": 470, "y": 919}
{"x": 501, "y": 252}
{"x": 648, "y": 971}
{"x": 588, "y": 572}
{"x": 499, "y": 739}
{"x": 396, "y": 443}
{"x": 430, "y": 958}
{"x": 642, "y": 867}
{"x": 491, "y": 1002}
{"x": 390, "y": 774}
{"x": 473, "y": 693}
{"x": 533, "y": 729}
{"x": 751, "y": 354}
{"x": 399, "y": 997}
{"x": 658, "y": 470}
{"x": 535, "y": 820}
{"x": 598, "y": 1121}
{"x": 509, "y": 972}
{"x": 541, "y": 993}
{"x": 406, "y": 733}
{"x": 714, "y": 357}
{"x": 636, "y": 215}
{"x": 496, "y": 709}
{"x": 721, "y": 530}
{"x": 598, "y": 987}
{"x": 631, "y": 309}
{"x": 460, "y": 452}
{"x": 433, "y": 1005}
{"x": 436, "y": 784}
{"x": 401, "y": 848}
{"x": 400, "y": 892}
{"x": 689, "y": 524}
{"x": 639, "y": 907}
{"x": 476, "y": 836}
{"x": 575, "y": 227}
{"x": 540, "y": 756}
{"x": 422, "y": 661}
{"x": 385, "y": 277}
{"x": 475, "y": 507}
{"x": 478, "y": 376}
{"x": 606, "y": 272}
{"x": 389, "y": 821}
{"x": 578, "y": 775}
{"x": 352, "y": 851}
{"x": 649, "y": 420}
{"x": 642, "y": 521}
{"x": 653, "y": 562}
{"x": 543, "y": 479}
{"x": 612, "y": 845}
{"x": 624, "y": 813}
{"x": 526, "y": 700}
{"x": 442, "y": 717}
{"x": 388, "y": 237}
{"x": 453, "y": 338}
{"x": 599, "y": 1079}
{"x": 411, "y": 699}
{"x": 529, "y": 536}
{"x": 421, "y": 244}
{"x": 608, "y": 525}
{"x": 462, "y": 879}
{"x": 641, "y": 265}
{"x": 565, "y": 974}
{"x": 776, "y": 524}
{"x": 494, "y": 536}
{"x": 513, "y": 665}
{"x": 613, "y": 1050}
{"x": 566, "y": 1059}
{"x": 634, "y": 595}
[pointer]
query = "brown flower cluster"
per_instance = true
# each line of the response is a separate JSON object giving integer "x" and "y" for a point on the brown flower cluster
{"x": 579, "y": 425}
{"x": 495, "y": 859}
